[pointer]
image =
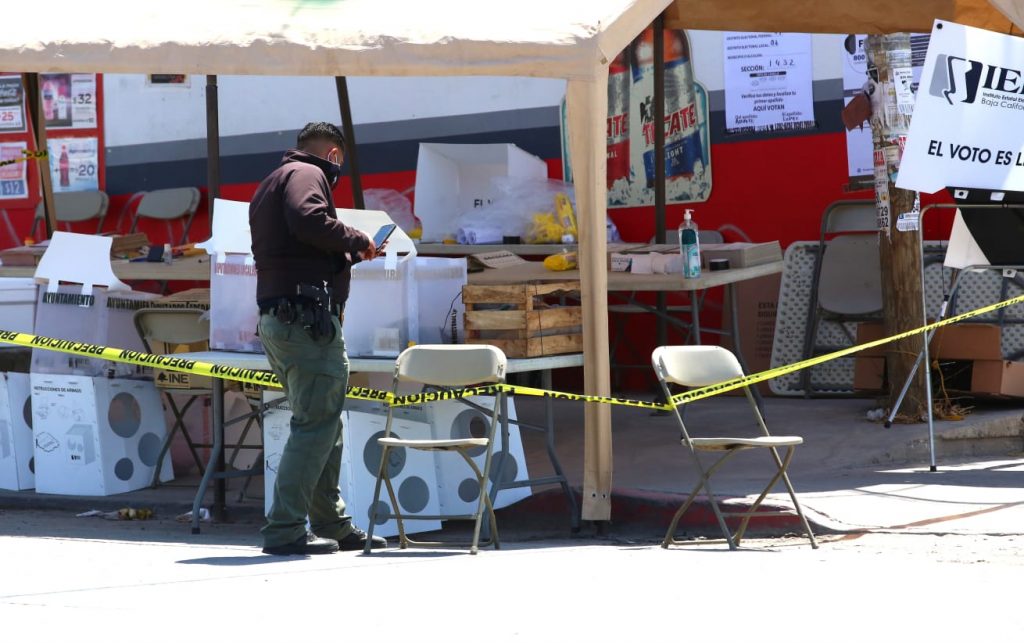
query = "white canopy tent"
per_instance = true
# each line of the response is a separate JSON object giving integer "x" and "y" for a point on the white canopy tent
{"x": 574, "y": 40}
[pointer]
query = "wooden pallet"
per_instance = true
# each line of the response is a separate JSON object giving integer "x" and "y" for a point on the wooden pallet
{"x": 525, "y": 326}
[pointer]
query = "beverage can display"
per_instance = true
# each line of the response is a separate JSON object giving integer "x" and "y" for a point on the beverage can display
{"x": 684, "y": 154}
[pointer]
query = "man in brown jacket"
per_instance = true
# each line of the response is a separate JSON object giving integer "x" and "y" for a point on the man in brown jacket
{"x": 304, "y": 257}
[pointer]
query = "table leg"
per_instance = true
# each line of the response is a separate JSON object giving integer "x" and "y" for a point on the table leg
{"x": 549, "y": 438}
{"x": 734, "y": 332}
{"x": 216, "y": 455}
{"x": 695, "y": 308}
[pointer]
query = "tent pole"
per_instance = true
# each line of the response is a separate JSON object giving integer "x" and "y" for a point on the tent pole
{"x": 587, "y": 102}
{"x": 38, "y": 122}
{"x": 212, "y": 142}
{"x": 350, "y": 142}
{"x": 659, "y": 160}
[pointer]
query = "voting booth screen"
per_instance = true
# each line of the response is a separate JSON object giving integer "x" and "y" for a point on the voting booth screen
{"x": 999, "y": 233}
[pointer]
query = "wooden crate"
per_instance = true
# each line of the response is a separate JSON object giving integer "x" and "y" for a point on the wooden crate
{"x": 525, "y": 326}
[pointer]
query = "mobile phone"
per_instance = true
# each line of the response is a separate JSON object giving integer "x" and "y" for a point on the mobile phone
{"x": 383, "y": 234}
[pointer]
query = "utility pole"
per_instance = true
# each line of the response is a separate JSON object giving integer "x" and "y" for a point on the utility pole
{"x": 892, "y": 103}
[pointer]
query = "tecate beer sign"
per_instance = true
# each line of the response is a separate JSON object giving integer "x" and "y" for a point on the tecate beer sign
{"x": 968, "y": 123}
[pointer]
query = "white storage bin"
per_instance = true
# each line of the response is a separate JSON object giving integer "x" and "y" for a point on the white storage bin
{"x": 234, "y": 313}
{"x": 101, "y": 317}
{"x": 380, "y": 300}
{"x": 439, "y": 283}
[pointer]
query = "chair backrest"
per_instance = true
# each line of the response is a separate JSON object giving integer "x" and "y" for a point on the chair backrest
{"x": 851, "y": 276}
{"x": 451, "y": 364}
{"x": 172, "y": 327}
{"x": 73, "y": 207}
{"x": 695, "y": 365}
{"x": 171, "y": 203}
{"x": 858, "y": 215}
{"x": 703, "y": 236}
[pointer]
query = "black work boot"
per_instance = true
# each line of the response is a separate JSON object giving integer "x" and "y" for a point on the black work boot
{"x": 307, "y": 545}
{"x": 357, "y": 541}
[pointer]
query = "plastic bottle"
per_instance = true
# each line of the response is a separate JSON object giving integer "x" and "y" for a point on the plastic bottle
{"x": 689, "y": 246}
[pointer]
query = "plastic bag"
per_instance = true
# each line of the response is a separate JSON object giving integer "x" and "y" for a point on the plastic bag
{"x": 516, "y": 203}
{"x": 396, "y": 204}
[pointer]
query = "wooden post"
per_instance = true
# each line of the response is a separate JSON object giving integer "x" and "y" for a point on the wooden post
{"x": 899, "y": 240}
{"x": 35, "y": 114}
{"x": 348, "y": 128}
{"x": 587, "y": 102}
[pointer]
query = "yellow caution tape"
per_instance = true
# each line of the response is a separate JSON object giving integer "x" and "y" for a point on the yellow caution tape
{"x": 269, "y": 379}
{"x": 28, "y": 154}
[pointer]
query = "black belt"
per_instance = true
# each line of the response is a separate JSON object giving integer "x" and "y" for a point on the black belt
{"x": 269, "y": 306}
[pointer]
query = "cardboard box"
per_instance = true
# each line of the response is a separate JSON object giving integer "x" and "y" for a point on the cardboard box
{"x": 869, "y": 374}
{"x": 956, "y": 342}
{"x": 454, "y": 179}
{"x": 742, "y": 255}
{"x": 998, "y": 377}
{"x": 17, "y": 466}
{"x": 96, "y": 436}
{"x": 758, "y": 301}
{"x": 17, "y": 304}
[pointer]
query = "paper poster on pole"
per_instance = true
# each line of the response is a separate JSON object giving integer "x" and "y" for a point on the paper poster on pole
{"x": 12, "y": 105}
{"x": 69, "y": 100}
{"x": 74, "y": 163}
{"x": 966, "y": 129}
{"x": 768, "y": 82}
{"x": 13, "y": 176}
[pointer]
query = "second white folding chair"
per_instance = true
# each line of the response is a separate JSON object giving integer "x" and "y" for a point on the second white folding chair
{"x": 696, "y": 366}
{"x": 443, "y": 366}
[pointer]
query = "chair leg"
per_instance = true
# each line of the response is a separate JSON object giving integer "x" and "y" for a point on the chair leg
{"x": 792, "y": 496}
{"x": 376, "y": 499}
{"x": 771, "y": 484}
{"x": 492, "y": 519}
{"x": 703, "y": 483}
{"x": 396, "y": 511}
{"x": 179, "y": 424}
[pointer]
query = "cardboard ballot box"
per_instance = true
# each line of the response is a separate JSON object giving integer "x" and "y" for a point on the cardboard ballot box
{"x": 96, "y": 436}
{"x": 454, "y": 179}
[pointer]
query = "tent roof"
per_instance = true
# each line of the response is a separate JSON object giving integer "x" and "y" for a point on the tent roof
{"x": 555, "y": 39}
{"x": 839, "y": 16}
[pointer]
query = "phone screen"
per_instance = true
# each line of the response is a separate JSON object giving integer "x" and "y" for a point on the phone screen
{"x": 383, "y": 234}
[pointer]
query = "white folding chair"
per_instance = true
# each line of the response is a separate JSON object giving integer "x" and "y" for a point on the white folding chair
{"x": 168, "y": 205}
{"x": 443, "y": 366}
{"x": 695, "y": 366}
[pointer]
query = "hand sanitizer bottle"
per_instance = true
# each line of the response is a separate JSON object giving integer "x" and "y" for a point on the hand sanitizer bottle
{"x": 689, "y": 246}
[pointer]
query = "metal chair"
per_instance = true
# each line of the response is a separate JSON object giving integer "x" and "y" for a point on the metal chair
{"x": 847, "y": 282}
{"x": 619, "y": 311}
{"x": 167, "y": 330}
{"x": 169, "y": 205}
{"x": 695, "y": 366}
{"x": 445, "y": 366}
{"x": 73, "y": 207}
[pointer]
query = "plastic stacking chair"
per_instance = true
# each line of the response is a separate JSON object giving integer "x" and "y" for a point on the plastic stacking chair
{"x": 695, "y": 366}
{"x": 169, "y": 205}
{"x": 444, "y": 366}
{"x": 73, "y": 207}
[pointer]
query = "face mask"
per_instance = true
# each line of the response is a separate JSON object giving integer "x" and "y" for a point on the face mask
{"x": 333, "y": 173}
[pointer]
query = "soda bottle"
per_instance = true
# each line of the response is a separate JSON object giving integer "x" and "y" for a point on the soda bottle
{"x": 65, "y": 167}
{"x": 689, "y": 246}
{"x": 618, "y": 128}
{"x": 48, "y": 106}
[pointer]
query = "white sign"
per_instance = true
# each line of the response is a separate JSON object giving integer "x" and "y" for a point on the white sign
{"x": 74, "y": 164}
{"x": 768, "y": 82}
{"x": 968, "y": 125}
{"x": 12, "y": 105}
{"x": 69, "y": 100}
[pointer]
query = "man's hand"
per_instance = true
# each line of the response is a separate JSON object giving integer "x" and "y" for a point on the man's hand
{"x": 370, "y": 252}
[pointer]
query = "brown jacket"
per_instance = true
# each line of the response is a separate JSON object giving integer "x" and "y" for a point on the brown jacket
{"x": 296, "y": 235}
